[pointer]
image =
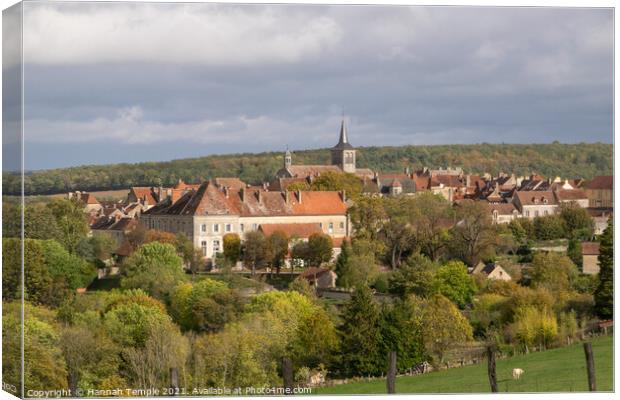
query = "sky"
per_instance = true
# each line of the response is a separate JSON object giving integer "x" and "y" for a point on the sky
{"x": 121, "y": 82}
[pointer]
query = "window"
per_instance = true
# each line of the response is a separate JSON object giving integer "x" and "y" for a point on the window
{"x": 216, "y": 228}
{"x": 254, "y": 227}
{"x": 527, "y": 213}
{"x": 342, "y": 225}
{"x": 546, "y": 212}
{"x": 203, "y": 246}
{"x": 203, "y": 228}
{"x": 536, "y": 213}
{"x": 331, "y": 227}
{"x": 216, "y": 246}
{"x": 228, "y": 228}
{"x": 241, "y": 228}
{"x": 321, "y": 225}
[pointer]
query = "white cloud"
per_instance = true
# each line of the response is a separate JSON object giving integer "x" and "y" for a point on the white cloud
{"x": 179, "y": 33}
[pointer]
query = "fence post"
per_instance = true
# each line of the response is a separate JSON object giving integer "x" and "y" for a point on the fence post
{"x": 491, "y": 367}
{"x": 587, "y": 346}
{"x": 287, "y": 375}
{"x": 391, "y": 373}
{"x": 174, "y": 381}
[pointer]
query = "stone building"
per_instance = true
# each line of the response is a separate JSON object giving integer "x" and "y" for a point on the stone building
{"x": 600, "y": 191}
{"x": 590, "y": 252}
{"x": 205, "y": 215}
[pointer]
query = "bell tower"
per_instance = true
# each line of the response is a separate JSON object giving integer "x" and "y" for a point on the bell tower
{"x": 343, "y": 154}
{"x": 288, "y": 159}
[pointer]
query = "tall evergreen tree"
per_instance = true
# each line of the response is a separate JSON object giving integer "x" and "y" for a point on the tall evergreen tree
{"x": 360, "y": 335}
{"x": 604, "y": 294}
{"x": 341, "y": 262}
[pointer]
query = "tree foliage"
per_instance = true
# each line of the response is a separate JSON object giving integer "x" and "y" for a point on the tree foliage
{"x": 604, "y": 294}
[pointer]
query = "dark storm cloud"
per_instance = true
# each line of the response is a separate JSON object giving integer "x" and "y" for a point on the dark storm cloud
{"x": 404, "y": 75}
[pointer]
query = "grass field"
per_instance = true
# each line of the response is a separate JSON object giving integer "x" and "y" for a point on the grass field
{"x": 557, "y": 370}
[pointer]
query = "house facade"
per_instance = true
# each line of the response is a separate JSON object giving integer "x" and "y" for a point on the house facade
{"x": 600, "y": 192}
{"x": 207, "y": 214}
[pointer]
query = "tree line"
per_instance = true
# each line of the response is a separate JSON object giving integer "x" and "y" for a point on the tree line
{"x": 555, "y": 159}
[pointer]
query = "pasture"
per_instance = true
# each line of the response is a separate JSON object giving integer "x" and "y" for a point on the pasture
{"x": 556, "y": 370}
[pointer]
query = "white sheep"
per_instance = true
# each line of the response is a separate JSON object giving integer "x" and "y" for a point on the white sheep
{"x": 516, "y": 373}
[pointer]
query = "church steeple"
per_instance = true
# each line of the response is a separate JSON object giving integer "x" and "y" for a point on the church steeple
{"x": 288, "y": 159}
{"x": 343, "y": 153}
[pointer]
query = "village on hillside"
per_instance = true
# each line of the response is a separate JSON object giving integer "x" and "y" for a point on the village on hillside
{"x": 206, "y": 212}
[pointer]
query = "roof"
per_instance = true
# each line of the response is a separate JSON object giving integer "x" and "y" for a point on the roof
{"x": 343, "y": 142}
{"x": 280, "y": 184}
{"x": 535, "y": 197}
{"x": 291, "y": 230}
{"x": 601, "y": 182}
{"x": 314, "y": 272}
{"x": 571, "y": 195}
{"x": 145, "y": 193}
{"x": 302, "y": 171}
{"x": 123, "y": 224}
{"x": 503, "y": 208}
{"x": 252, "y": 202}
{"x": 590, "y": 248}
{"x": 447, "y": 180}
{"x": 88, "y": 198}
{"x": 233, "y": 183}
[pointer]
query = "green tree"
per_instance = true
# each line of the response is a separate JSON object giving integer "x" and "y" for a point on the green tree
{"x": 278, "y": 242}
{"x": 549, "y": 227}
{"x": 401, "y": 332}
{"x": 334, "y": 181}
{"x": 44, "y": 366}
{"x": 342, "y": 261}
{"x": 367, "y": 216}
{"x": 474, "y": 236}
{"x": 553, "y": 271}
{"x": 320, "y": 249}
{"x": 71, "y": 220}
{"x": 428, "y": 215}
{"x": 416, "y": 276}
{"x": 604, "y": 293}
{"x": 453, "y": 281}
{"x": 37, "y": 277}
{"x": 577, "y": 221}
{"x": 360, "y": 267}
{"x": 360, "y": 335}
{"x": 232, "y": 247}
{"x": 205, "y": 306}
{"x": 153, "y": 267}
{"x": 574, "y": 252}
{"x": 256, "y": 250}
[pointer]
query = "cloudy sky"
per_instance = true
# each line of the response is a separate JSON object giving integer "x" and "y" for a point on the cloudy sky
{"x": 114, "y": 82}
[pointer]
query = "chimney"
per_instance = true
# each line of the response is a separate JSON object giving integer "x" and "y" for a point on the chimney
{"x": 265, "y": 185}
{"x": 286, "y": 197}
{"x": 259, "y": 195}
{"x": 226, "y": 191}
{"x": 299, "y": 196}
{"x": 406, "y": 170}
{"x": 343, "y": 194}
{"x": 468, "y": 180}
{"x": 242, "y": 191}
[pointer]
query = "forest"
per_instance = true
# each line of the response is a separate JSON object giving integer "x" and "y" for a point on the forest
{"x": 583, "y": 160}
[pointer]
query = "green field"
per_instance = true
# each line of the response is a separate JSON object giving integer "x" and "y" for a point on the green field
{"x": 557, "y": 370}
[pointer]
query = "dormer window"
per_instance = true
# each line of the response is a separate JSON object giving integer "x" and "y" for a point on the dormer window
{"x": 534, "y": 200}
{"x": 544, "y": 200}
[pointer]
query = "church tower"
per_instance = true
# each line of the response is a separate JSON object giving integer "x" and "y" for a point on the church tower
{"x": 343, "y": 154}
{"x": 288, "y": 159}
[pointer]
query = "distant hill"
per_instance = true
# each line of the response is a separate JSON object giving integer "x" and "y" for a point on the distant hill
{"x": 555, "y": 159}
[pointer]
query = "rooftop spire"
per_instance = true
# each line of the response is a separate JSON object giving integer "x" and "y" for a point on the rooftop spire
{"x": 343, "y": 142}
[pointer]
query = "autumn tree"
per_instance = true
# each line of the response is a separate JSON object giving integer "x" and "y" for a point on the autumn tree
{"x": 367, "y": 217}
{"x": 443, "y": 326}
{"x": 430, "y": 216}
{"x": 232, "y": 247}
{"x": 578, "y": 223}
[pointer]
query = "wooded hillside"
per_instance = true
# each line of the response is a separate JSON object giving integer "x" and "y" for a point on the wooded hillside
{"x": 566, "y": 160}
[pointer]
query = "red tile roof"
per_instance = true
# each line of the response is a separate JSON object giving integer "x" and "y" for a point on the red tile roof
{"x": 601, "y": 182}
{"x": 291, "y": 230}
{"x": 535, "y": 197}
{"x": 209, "y": 199}
{"x": 88, "y": 198}
{"x": 301, "y": 171}
{"x": 144, "y": 193}
{"x": 571, "y": 195}
{"x": 590, "y": 248}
